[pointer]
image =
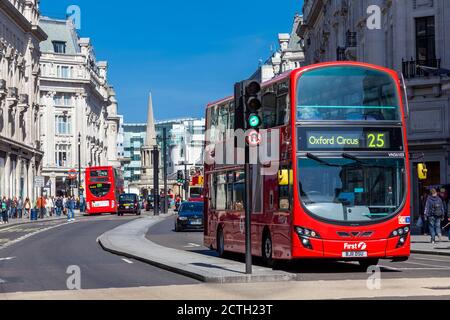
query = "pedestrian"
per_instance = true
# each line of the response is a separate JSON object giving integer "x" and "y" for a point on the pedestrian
{"x": 423, "y": 201}
{"x": 4, "y": 209}
{"x": 20, "y": 208}
{"x": 48, "y": 206}
{"x": 27, "y": 207}
{"x": 70, "y": 204}
{"x": 434, "y": 214}
{"x": 59, "y": 206}
{"x": 40, "y": 204}
{"x": 65, "y": 205}
{"x": 14, "y": 208}
{"x": 82, "y": 204}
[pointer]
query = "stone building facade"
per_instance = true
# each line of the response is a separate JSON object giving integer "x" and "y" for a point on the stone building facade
{"x": 288, "y": 56}
{"x": 413, "y": 39}
{"x": 20, "y": 147}
{"x": 78, "y": 106}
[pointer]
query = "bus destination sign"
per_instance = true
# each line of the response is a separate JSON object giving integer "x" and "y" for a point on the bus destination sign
{"x": 366, "y": 139}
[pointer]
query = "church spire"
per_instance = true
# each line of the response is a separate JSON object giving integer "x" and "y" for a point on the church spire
{"x": 150, "y": 138}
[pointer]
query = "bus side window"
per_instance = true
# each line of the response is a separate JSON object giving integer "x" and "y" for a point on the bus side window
{"x": 285, "y": 193}
{"x": 221, "y": 195}
{"x": 283, "y": 110}
{"x": 212, "y": 191}
{"x": 239, "y": 191}
{"x": 230, "y": 181}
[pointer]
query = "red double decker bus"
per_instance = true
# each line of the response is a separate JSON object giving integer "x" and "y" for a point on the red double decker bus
{"x": 341, "y": 190}
{"x": 103, "y": 187}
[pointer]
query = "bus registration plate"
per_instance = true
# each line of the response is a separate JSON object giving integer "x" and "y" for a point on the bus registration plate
{"x": 354, "y": 254}
{"x": 100, "y": 204}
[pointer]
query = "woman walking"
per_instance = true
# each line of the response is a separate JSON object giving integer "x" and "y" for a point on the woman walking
{"x": 27, "y": 207}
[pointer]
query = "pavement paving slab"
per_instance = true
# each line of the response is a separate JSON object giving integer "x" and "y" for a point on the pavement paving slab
{"x": 130, "y": 240}
{"x": 422, "y": 245}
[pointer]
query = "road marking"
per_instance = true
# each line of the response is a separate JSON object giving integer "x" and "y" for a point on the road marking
{"x": 2, "y": 281}
{"x": 192, "y": 245}
{"x": 428, "y": 259}
{"x": 127, "y": 261}
{"x": 419, "y": 269}
{"x": 7, "y": 259}
{"x": 424, "y": 264}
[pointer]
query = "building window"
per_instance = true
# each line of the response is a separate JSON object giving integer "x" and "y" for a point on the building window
{"x": 59, "y": 46}
{"x": 62, "y": 100}
{"x": 425, "y": 41}
{"x": 62, "y": 155}
{"x": 63, "y": 124}
{"x": 63, "y": 72}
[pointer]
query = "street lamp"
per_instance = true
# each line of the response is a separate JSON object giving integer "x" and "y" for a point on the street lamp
{"x": 79, "y": 165}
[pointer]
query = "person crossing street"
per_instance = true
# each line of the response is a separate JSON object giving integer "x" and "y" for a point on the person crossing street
{"x": 434, "y": 214}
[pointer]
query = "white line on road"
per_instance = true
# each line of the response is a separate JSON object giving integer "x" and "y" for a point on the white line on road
{"x": 192, "y": 245}
{"x": 419, "y": 269}
{"x": 127, "y": 261}
{"x": 2, "y": 281}
{"x": 6, "y": 259}
{"x": 424, "y": 264}
{"x": 428, "y": 259}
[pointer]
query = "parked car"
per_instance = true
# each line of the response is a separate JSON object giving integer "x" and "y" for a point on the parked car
{"x": 189, "y": 216}
{"x": 129, "y": 203}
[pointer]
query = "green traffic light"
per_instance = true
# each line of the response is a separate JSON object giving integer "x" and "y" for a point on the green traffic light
{"x": 254, "y": 121}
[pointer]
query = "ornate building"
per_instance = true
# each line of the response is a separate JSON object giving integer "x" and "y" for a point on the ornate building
{"x": 289, "y": 55}
{"x": 78, "y": 105}
{"x": 20, "y": 148}
{"x": 408, "y": 36}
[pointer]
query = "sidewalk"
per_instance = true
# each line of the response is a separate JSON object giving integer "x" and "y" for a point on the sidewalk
{"x": 422, "y": 245}
{"x": 16, "y": 222}
{"x": 129, "y": 240}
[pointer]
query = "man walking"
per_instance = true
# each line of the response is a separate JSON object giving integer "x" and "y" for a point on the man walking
{"x": 59, "y": 206}
{"x": 20, "y": 208}
{"x": 70, "y": 205}
{"x": 434, "y": 214}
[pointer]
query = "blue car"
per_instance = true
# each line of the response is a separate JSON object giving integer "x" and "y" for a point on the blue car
{"x": 189, "y": 216}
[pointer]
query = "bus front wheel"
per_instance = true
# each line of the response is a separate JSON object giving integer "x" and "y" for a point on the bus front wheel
{"x": 267, "y": 251}
{"x": 220, "y": 243}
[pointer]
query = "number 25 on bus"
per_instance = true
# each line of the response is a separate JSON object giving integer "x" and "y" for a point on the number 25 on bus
{"x": 342, "y": 190}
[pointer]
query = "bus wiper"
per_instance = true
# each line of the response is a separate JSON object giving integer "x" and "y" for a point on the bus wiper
{"x": 353, "y": 158}
{"x": 317, "y": 159}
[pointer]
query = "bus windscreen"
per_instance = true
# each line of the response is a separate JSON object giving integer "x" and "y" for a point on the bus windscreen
{"x": 347, "y": 93}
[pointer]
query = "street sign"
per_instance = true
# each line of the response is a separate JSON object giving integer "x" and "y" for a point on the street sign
{"x": 72, "y": 174}
{"x": 39, "y": 182}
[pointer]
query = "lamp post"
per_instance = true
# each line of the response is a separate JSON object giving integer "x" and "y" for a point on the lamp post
{"x": 79, "y": 165}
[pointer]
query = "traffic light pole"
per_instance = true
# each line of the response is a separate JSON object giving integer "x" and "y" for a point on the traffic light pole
{"x": 248, "y": 213}
{"x": 165, "y": 209}
{"x": 248, "y": 103}
{"x": 156, "y": 180}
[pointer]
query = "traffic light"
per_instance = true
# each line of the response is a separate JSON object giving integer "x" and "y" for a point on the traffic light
{"x": 180, "y": 176}
{"x": 253, "y": 104}
{"x": 247, "y": 100}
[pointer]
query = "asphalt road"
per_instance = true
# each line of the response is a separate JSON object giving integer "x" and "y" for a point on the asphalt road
{"x": 418, "y": 266}
{"x": 40, "y": 262}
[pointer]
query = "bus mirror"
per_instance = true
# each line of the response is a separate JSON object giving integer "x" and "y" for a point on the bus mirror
{"x": 285, "y": 177}
{"x": 422, "y": 171}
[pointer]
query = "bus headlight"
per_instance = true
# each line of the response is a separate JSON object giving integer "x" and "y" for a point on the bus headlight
{"x": 307, "y": 233}
{"x": 404, "y": 231}
{"x": 305, "y": 236}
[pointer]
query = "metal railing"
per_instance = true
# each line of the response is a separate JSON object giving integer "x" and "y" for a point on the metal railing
{"x": 420, "y": 68}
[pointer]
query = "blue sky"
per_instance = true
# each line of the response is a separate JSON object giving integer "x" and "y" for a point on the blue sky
{"x": 187, "y": 53}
